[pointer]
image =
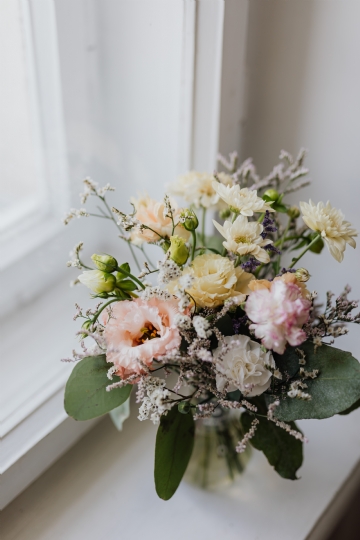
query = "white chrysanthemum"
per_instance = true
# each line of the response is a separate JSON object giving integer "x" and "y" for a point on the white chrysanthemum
{"x": 244, "y": 238}
{"x": 197, "y": 188}
{"x": 330, "y": 222}
{"x": 245, "y": 201}
{"x": 244, "y": 366}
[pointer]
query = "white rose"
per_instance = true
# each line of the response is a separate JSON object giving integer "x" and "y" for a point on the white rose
{"x": 244, "y": 366}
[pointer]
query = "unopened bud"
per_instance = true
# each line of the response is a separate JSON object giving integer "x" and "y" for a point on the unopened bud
{"x": 189, "y": 220}
{"x": 86, "y": 325}
{"x": 302, "y": 275}
{"x": 184, "y": 407}
{"x": 106, "y": 263}
{"x": 293, "y": 212}
{"x": 97, "y": 281}
{"x": 225, "y": 213}
{"x": 271, "y": 194}
{"x": 179, "y": 252}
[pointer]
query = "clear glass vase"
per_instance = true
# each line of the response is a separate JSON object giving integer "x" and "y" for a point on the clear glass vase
{"x": 214, "y": 462}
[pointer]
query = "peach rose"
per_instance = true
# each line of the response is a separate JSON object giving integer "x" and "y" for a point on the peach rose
{"x": 151, "y": 213}
{"x": 138, "y": 332}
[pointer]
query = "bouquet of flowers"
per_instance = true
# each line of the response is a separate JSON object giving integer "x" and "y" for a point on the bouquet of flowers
{"x": 218, "y": 324}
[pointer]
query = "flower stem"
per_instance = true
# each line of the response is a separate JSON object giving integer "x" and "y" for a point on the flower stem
{"x": 305, "y": 250}
{"x": 203, "y": 225}
{"x": 193, "y": 234}
{"x": 122, "y": 271}
{"x": 103, "y": 307}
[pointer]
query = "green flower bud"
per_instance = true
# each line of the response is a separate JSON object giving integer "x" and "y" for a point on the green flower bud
{"x": 184, "y": 407}
{"x": 179, "y": 252}
{"x": 317, "y": 247}
{"x": 189, "y": 220}
{"x": 302, "y": 275}
{"x": 271, "y": 195}
{"x": 225, "y": 213}
{"x": 106, "y": 263}
{"x": 97, "y": 281}
{"x": 293, "y": 212}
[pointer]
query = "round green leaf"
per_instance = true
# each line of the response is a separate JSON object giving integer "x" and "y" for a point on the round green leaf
{"x": 85, "y": 393}
{"x": 335, "y": 389}
{"x": 174, "y": 446}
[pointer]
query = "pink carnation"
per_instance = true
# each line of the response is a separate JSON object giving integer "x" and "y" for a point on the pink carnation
{"x": 278, "y": 315}
{"x": 139, "y": 331}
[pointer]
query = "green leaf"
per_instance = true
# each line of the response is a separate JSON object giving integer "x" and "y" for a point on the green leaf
{"x": 280, "y": 208}
{"x": 85, "y": 393}
{"x": 288, "y": 363}
{"x": 282, "y": 450}
{"x": 174, "y": 445}
{"x": 127, "y": 285}
{"x": 214, "y": 242}
{"x": 225, "y": 325}
{"x": 119, "y": 275}
{"x": 353, "y": 407}
{"x": 336, "y": 388}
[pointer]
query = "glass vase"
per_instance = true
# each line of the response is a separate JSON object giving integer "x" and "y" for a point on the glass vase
{"x": 214, "y": 462}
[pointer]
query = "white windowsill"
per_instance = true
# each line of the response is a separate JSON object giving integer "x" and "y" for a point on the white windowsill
{"x": 101, "y": 487}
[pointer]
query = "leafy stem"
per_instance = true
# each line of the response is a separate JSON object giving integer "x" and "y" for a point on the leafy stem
{"x": 315, "y": 239}
{"x": 131, "y": 276}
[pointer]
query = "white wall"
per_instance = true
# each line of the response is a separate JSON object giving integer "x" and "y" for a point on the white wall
{"x": 303, "y": 89}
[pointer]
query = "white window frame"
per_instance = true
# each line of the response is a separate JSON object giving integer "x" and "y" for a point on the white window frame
{"x": 37, "y": 432}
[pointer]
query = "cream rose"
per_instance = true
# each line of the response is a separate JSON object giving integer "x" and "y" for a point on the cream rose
{"x": 215, "y": 279}
{"x": 152, "y": 214}
{"x": 244, "y": 366}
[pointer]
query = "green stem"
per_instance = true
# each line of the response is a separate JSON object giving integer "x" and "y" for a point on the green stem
{"x": 305, "y": 250}
{"x": 203, "y": 225}
{"x": 193, "y": 234}
{"x": 122, "y": 271}
{"x": 102, "y": 309}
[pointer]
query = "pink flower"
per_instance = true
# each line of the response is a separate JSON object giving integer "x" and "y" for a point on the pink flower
{"x": 139, "y": 331}
{"x": 278, "y": 315}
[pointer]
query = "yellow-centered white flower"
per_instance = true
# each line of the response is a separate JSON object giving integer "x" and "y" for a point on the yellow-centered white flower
{"x": 330, "y": 223}
{"x": 197, "y": 188}
{"x": 244, "y": 201}
{"x": 243, "y": 237}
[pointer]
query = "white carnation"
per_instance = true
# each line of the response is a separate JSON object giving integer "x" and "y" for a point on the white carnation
{"x": 244, "y": 366}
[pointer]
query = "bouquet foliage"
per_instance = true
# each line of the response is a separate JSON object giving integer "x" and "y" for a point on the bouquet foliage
{"x": 218, "y": 323}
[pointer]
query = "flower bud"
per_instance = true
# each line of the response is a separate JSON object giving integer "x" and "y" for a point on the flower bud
{"x": 302, "y": 275}
{"x": 106, "y": 263}
{"x": 184, "y": 407}
{"x": 271, "y": 194}
{"x": 97, "y": 281}
{"x": 225, "y": 213}
{"x": 317, "y": 247}
{"x": 293, "y": 212}
{"x": 85, "y": 325}
{"x": 189, "y": 219}
{"x": 179, "y": 252}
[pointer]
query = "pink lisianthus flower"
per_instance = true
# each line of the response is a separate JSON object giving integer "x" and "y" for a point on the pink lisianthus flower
{"x": 278, "y": 315}
{"x": 138, "y": 332}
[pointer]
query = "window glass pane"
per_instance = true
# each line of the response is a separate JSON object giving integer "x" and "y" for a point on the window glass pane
{"x": 20, "y": 185}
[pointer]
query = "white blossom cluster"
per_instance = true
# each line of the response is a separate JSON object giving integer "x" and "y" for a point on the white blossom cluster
{"x": 296, "y": 391}
{"x": 74, "y": 213}
{"x": 155, "y": 292}
{"x": 155, "y": 400}
{"x": 92, "y": 188}
{"x": 202, "y": 326}
{"x": 74, "y": 254}
{"x": 168, "y": 270}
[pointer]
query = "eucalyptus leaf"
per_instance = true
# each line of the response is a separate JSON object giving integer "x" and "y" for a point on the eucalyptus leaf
{"x": 282, "y": 450}
{"x": 335, "y": 389}
{"x": 174, "y": 445}
{"x": 85, "y": 393}
{"x": 353, "y": 407}
{"x": 287, "y": 363}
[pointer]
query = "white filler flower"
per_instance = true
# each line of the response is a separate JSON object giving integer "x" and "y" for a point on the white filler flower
{"x": 330, "y": 223}
{"x": 244, "y": 366}
{"x": 244, "y": 238}
{"x": 245, "y": 201}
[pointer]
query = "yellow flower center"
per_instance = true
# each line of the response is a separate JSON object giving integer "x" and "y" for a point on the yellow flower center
{"x": 242, "y": 240}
